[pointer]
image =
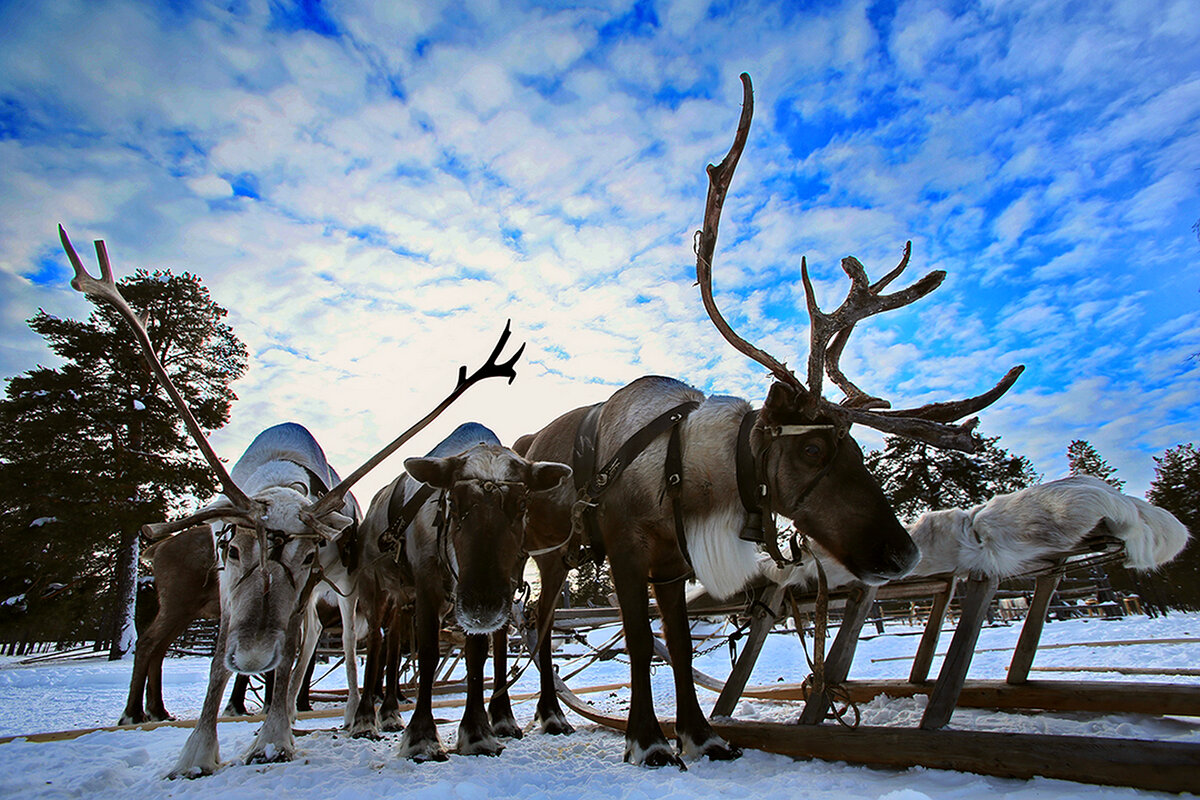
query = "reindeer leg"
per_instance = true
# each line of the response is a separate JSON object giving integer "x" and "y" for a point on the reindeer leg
{"x": 475, "y": 735}
{"x": 201, "y": 755}
{"x": 308, "y": 648}
{"x": 147, "y": 671}
{"x": 549, "y": 714}
{"x": 504, "y": 723}
{"x": 421, "y": 742}
{"x": 275, "y": 740}
{"x": 389, "y": 709}
{"x": 694, "y": 734}
{"x": 236, "y": 707}
{"x": 644, "y": 740}
{"x": 365, "y": 723}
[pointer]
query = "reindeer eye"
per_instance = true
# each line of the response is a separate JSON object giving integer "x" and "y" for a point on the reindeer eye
{"x": 308, "y": 559}
{"x": 232, "y": 553}
{"x": 814, "y": 450}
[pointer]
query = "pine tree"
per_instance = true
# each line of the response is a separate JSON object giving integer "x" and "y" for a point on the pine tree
{"x": 1083, "y": 459}
{"x": 917, "y": 477}
{"x": 93, "y": 449}
{"x": 1176, "y": 488}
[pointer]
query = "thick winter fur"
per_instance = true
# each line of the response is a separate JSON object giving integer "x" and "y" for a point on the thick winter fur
{"x": 845, "y": 509}
{"x": 1016, "y": 532}
{"x": 264, "y": 606}
{"x": 474, "y": 565}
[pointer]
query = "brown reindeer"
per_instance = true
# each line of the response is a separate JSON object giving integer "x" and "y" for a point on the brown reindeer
{"x": 274, "y": 539}
{"x": 678, "y": 485}
{"x": 452, "y": 529}
{"x": 185, "y": 582}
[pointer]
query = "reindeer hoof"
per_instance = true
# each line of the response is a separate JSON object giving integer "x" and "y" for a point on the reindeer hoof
{"x": 507, "y": 728}
{"x": 720, "y": 751}
{"x": 423, "y": 756}
{"x": 486, "y": 746}
{"x": 554, "y": 724}
{"x": 271, "y": 754}
{"x": 656, "y": 755}
{"x": 421, "y": 750}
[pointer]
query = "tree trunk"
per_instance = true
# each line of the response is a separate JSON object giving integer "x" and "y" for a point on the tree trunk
{"x": 124, "y": 629}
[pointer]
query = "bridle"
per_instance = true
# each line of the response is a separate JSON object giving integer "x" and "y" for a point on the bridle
{"x": 489, "y": 490}
{"x": 754, "y": 488}
{"x": 271, "y": 543}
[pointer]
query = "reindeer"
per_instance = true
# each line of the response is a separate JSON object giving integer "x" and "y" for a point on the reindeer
{"x": 269, "y": 541}
{"x": 185, "y": 580}
{"x": 453, "y": 526}
{"x": 690, "y": 484}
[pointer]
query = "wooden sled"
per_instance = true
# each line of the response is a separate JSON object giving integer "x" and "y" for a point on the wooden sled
{"x": 1136, "y": 763}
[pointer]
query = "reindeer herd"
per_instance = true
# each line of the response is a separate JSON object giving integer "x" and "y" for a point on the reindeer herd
{"x": 667, "y": 484}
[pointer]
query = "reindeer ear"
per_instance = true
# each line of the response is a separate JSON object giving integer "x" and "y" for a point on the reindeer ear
{"x": 545, "y": 475}
{"x": 437, "y": 472}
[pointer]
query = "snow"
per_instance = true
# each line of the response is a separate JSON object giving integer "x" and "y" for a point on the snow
{"x": 40, "y": 521}
{"x": 64, "y": 694}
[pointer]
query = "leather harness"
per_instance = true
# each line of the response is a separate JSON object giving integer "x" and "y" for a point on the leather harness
{"x": 400, "y": 515}
{"x": 590, "y": 483}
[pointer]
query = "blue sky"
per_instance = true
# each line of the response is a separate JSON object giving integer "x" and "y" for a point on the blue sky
{"x": 372, "y": 189}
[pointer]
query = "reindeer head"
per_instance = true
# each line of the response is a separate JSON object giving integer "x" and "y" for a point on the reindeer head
{"x": 486, "y": 490}
{"x": 269, "y": 541}
{"x": 809, "y": 466}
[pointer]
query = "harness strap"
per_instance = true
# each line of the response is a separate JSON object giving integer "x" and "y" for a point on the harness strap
{"x": 673, "y": 469}
{"x": 400, "y": 518}
{"x": 583, "y": 453}
{"x": 634, "y": 447}
{"x": 751, "y": 488}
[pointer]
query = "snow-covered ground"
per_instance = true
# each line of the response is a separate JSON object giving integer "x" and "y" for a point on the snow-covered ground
{"x": 62, "y": 695}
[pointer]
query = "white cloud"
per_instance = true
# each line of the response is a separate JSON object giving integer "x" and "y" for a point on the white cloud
{"x": 437, "y": 169}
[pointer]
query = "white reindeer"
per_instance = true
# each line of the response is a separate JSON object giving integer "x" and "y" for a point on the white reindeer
{"x": 270, "y": 535}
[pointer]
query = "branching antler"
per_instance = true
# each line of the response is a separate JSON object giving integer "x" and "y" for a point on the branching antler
{"x": 831, "y": 331}
{"x": 719, "y": 177}
{"x": 105, "y": 290}
{"x": 490, "y": 369}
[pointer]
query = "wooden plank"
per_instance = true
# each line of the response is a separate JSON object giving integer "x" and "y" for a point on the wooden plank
{"x": 1093, "y": 696}
{"x": 1136, "y": 763}
{"x": 1158, "y": 766}
{"x": 962, "y": 647}
{"x": 1031, "y": 631}
{"x": 923, "y": 660}
{"x": 764, "y": 619}
{"x": 1183, "y": 672}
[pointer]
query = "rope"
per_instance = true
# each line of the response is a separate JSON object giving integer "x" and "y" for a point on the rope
{"x": 816, "y": 683}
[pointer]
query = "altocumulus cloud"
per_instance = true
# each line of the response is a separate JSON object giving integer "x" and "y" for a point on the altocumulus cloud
{"x": 373, "y": 189}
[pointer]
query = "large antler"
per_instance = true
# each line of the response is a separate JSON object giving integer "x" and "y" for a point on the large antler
{"x": 719, "y": 177}
{"x": 829, "y": 332}
{"x": 491, "y": 369}
{"x": 105, "y": 290}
